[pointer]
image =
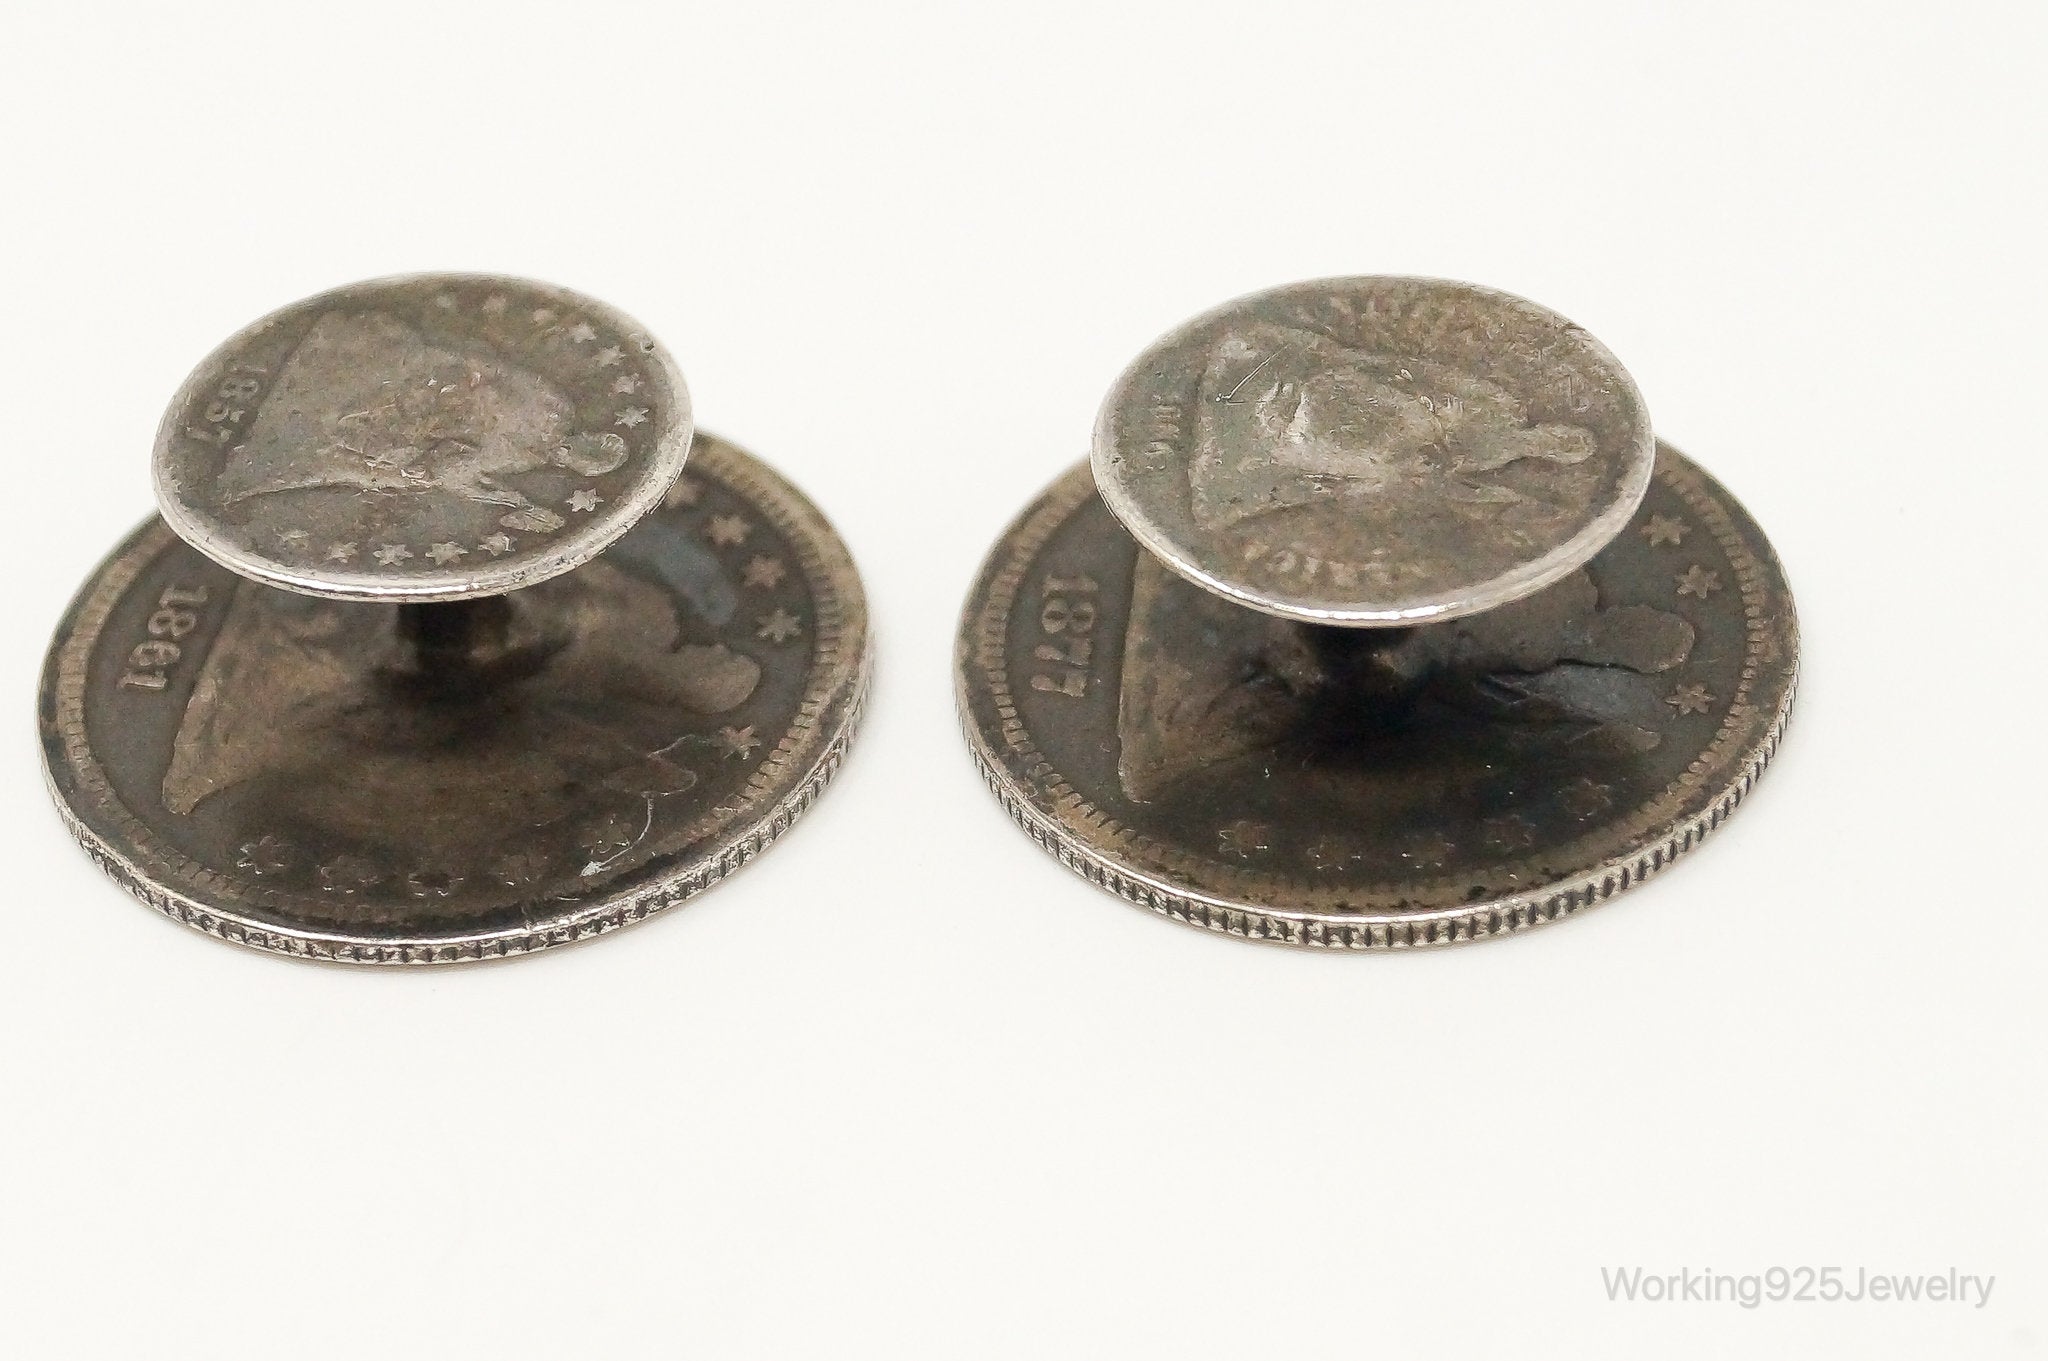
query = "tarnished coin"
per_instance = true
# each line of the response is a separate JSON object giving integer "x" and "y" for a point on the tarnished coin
{"x": 431, "y": 437}
{"x": 1374, "y": 451}
{"x": 1370, "y": 788}
{"x": 330, "y": 778}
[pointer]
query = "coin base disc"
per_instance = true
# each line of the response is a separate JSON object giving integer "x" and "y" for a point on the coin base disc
{"x": 1358, "y": 789}
{"x": 293, "y": 774}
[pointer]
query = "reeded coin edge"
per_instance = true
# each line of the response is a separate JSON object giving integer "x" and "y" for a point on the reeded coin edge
{"x": 1357, "y": 931}
{"x": 599, "y": 919}
{"x": 833, "y": 705}
{"x": 1368, "y": 931}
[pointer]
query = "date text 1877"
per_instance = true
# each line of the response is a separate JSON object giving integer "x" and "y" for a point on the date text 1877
{"x": 1066, "y": 618}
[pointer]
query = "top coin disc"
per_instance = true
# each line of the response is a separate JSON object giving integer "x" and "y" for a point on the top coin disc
{"x": 1374, "y": 451}
{"x": 427, "y": 437}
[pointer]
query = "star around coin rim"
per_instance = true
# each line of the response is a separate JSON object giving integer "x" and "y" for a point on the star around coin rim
{"x": 787, "y": 772}
{"x": 1283, "y": 908}
{"x": 475, "y": 575}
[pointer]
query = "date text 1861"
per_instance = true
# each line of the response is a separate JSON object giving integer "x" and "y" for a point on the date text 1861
{"x": 150, "y": 661}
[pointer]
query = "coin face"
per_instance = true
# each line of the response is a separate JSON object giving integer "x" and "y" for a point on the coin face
{"x": 283, "y": 771}
{"x": 432, "y": 437}
{"x": 1374, "y": 451}
{"x": 1373, "y": 788}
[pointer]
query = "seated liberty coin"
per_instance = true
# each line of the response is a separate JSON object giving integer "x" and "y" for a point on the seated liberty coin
{"x": 1226, "y": 764}
{"x": 1375, "y": 451}
{"x": 382, "y": 765}
{"x": 426, "y": 438}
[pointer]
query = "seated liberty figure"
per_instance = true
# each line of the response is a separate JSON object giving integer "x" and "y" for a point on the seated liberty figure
{"x": 1291, "y": 418}
{"x": 608, "y": 680}
{"x": 1206, "y": 682}
{"x": 366, "y": 403}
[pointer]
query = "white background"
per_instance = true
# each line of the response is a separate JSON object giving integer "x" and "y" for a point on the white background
{"x": 905, "y": 1088}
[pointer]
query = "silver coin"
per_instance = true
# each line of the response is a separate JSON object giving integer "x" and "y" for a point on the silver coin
{"x": 431, "y": 437}
{"x": 313, "y": 777}
{"x": 1373, "y": 788}
{"x": 1374, "y": 451}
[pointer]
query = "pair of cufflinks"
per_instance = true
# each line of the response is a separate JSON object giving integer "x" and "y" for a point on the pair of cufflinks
{"x": 1378, "y": 617}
